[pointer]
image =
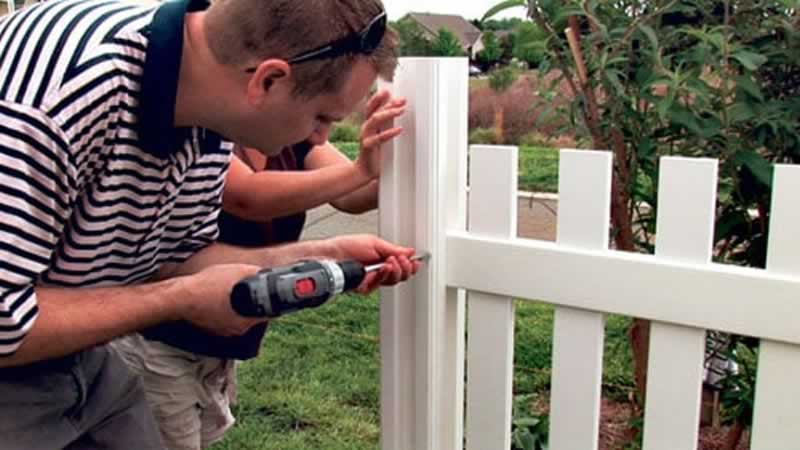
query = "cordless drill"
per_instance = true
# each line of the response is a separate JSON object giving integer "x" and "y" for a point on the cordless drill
{"x": 305, "y": 284}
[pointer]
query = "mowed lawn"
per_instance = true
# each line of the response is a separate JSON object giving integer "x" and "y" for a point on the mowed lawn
{"x": 316, "y": 384}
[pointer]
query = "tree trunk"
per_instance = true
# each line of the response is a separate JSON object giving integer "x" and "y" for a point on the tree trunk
{"x": 639, "y": 335}
{"x": 499, "y": 119}
{"x": 639, "y": 332}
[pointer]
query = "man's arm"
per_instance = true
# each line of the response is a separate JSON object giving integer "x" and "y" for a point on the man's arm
{"x": 366, "y": 249}
{"x": 274, "y": 256}
{"x": 330, "y": 177}
{"x": 268, "y": 194}
{"x": 71, "y": 319}
{"x": 356, "y": 201}
{"x": 198, "y": 291}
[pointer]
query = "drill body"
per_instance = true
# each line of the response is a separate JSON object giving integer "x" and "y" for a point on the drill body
{"x": 307, "y": 284}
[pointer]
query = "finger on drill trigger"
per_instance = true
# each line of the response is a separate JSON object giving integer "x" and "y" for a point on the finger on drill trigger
{"x": 371, "y": 282}
{"x": 406, "y": 268}
{"x": 365, "y": 287}
{"x": 387, "y": 272}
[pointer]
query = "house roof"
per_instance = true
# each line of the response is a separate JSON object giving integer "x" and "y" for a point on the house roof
{"x": 466, "y": 33}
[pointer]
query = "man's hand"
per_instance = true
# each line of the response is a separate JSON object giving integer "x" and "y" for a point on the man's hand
{"x": 210, "y": 308}
{"x": 368, "y": 249}
{"x": 382, "y": 109}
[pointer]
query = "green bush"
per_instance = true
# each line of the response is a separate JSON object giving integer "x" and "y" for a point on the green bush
{"x": 350, "y": 149}
{"x": 502, "y": 79}
{"x": 535, "y": 139}
{"x": 344, "y": 132}
{"x": 482, "y": 136}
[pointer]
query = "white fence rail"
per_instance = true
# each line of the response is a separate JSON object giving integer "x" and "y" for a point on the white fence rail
{"x": 423, "y": 323}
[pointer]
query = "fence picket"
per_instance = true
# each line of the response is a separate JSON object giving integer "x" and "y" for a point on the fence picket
{"x": 687, "y": 195}
{"x": 776, "y": 415}
{"x": 490, "y": 318}
{"x": 584, "y": 188}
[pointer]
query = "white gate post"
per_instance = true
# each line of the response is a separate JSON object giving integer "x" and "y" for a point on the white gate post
{"x": 775, "y": 415}
{"x": 422, "y": 196}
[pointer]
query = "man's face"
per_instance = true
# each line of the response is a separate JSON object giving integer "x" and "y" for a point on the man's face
{"x": 286, "y": 120}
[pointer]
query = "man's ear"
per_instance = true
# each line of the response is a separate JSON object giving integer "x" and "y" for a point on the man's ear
{"x": 268, "y": 75}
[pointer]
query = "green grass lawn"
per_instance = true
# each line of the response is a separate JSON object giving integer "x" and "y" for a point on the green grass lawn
{"x": 538, "y": 166}
{"x": 316, "y": 384}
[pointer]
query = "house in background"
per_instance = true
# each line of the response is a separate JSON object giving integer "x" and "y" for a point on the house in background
{"x": 7, "y": 6}
{"x": 467, "y": 34}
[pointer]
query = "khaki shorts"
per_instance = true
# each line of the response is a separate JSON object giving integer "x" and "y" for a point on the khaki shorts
{"x": 190, "y": 394}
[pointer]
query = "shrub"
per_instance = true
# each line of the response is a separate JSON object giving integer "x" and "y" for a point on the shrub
{"x": 523, "y": 107}
{"x": 344, "y": 132}
{"x": 535, "y": 139}
{"x": 482, "y": 136}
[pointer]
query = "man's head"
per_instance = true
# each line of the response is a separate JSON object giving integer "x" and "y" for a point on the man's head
{"x": 295, "y": 84}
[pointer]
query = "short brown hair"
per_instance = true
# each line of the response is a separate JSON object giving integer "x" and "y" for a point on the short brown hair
{"x": 242, "y": 31}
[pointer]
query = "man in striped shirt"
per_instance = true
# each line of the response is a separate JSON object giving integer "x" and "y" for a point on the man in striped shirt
{"x": 112, "y": 169}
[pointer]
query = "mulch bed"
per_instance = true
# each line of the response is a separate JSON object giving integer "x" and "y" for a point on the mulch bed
{"x": 615, "y": 432}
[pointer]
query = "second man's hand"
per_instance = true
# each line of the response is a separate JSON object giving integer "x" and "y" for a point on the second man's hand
{"x": 369, "y": 249}
{"x": 377, "y": 130}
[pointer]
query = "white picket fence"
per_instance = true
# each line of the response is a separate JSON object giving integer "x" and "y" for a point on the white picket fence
{"x": 475, "y": 248}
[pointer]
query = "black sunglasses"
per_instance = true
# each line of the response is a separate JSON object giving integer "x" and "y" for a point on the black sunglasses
{"x": 364, "y": 42}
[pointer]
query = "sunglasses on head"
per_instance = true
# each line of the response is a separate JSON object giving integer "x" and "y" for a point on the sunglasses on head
{"x": 364, "y": 43}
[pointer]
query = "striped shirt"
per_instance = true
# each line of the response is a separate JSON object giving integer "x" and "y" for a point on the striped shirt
{"x": 97, "y": 186}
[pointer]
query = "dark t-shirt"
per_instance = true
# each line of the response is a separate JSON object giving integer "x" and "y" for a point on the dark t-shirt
{"x": 243, "y": 233}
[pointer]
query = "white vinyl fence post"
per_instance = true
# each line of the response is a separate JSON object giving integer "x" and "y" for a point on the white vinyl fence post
{"x": 687, "y": 197}
{"x": 776, "y": 416}
{"x": 490, "y": 321}
{"x": 422, "y": 196}
{"x": 584, "y": 211}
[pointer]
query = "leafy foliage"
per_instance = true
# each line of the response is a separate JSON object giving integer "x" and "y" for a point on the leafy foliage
{"x": 529, "y": 44}
{"x": 529, "y": 429}
{"x": 412, "y": 38}
{"x": 502, "y": 79}
{"x": 446, "y": 44}
{"x": 508, "y": 23}
{"x": 492, "y": 51}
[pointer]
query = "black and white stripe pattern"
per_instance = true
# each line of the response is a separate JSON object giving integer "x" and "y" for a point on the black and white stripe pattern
{"x": 81, "y": 204}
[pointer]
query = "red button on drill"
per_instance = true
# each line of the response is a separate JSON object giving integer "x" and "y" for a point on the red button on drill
{"x": 304, "y": 287}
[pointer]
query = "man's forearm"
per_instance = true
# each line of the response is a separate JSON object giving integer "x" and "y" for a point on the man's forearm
{"x": 73, "y": 319}
{"x": 359, "y": 201}
{"x": 219, "y": 253}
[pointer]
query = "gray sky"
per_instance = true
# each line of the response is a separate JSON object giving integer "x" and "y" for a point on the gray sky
{"x": 471, "y": 9}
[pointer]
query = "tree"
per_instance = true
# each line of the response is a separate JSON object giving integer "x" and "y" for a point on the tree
{"x": 446, "y": 44}
{"x": 507, "y": 42}
{"x": 500, "y": 81}
{"x": 529, "y": 43}
{"x": 492, "y": 52}
{"x": 691, "y": 77}
{"x": 506, "y": 24}
{"x": 412, "y": 38}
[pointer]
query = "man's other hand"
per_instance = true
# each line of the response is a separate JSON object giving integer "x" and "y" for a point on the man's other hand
{"x": 368, "y": 249}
